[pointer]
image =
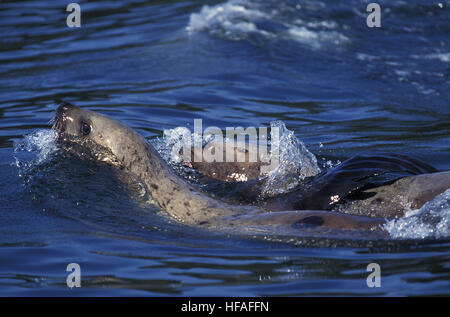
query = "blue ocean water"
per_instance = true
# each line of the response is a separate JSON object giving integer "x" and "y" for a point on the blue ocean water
{"x": 344, "y": 89}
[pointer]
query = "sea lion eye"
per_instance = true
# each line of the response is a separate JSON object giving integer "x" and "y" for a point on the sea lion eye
{"x": 85, "y": 128}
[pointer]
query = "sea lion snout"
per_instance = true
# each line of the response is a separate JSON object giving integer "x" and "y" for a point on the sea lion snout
{"x": 61, "y": 116}
{"x": 102, "y": 137}
{"x": 65, "y": 106}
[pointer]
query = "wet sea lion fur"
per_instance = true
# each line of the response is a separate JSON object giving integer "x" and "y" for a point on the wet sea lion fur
{"x": 102, "y": 138}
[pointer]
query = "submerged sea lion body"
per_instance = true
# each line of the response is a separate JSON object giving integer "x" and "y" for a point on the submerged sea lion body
{"x": 105, "y": 139}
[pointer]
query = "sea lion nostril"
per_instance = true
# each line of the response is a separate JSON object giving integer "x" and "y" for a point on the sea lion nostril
{"x": 66, "y": 104}
{"x": 64, "y": 107}
{"x": 60, "y": 116}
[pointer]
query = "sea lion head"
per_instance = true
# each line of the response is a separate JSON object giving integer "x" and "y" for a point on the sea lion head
{"x": 94, "y": 135}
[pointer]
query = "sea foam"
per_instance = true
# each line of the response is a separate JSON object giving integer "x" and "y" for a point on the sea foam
{"x": 240, "y": 19}
{"x": 432, "y": 220}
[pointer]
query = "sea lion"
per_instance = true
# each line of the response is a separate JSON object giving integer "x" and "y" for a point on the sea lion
{"x": 238, "y": 171}
{"x": 368, "y": 185}
{"x": 99, "y": 137}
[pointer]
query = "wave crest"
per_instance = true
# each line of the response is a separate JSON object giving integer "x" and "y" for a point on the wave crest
{"x": 240, "y": 19}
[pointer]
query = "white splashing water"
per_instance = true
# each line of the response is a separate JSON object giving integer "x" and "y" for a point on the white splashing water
{"x": 171, "y": 144}
{"x": 34, "y": 149}
{"x": 170, "y": 148}
{"x": 238, "y": 19}
{"x": 317, "y": 38}
{"x": 430, "y": 221}
{"x": 294, "y": 161}
{"x": 443, "y": 57}
{"x": 231, "y": 19}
